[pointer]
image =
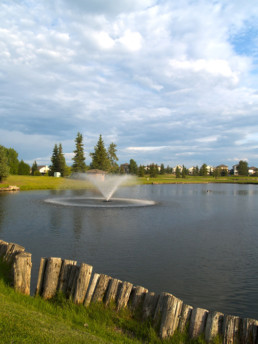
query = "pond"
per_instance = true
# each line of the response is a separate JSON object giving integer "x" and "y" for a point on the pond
{"x": 199, "y": 242}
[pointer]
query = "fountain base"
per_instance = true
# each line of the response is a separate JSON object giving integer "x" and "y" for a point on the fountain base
{"x": 92, "y": 202}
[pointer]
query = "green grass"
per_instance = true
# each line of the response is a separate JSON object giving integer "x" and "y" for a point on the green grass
{"x": 27, "y": 319}
{"x": 40, "y": 182}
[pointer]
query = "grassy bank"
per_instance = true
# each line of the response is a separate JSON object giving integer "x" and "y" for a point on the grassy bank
{"x": 26, "y": 319}
{"x": 48, "y": 183}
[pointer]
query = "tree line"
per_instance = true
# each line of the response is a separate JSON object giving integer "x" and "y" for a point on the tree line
{"x": 102, "y": 159}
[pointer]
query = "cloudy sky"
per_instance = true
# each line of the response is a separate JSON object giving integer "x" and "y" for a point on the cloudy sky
{"x": 167, "y": 81}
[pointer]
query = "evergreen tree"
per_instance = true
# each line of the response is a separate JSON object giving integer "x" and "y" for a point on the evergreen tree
{"x": 153, "y": 170}
{"x": 34, "y": 168}
{"x": 61, "y": 161}
{"x": 242, "y": 168}
{"x": 178, "y": 174}
{"x": 113, "y": 157}
{"x": 4, "y": 168}
{"x": 203, "y": 170}
{"x": 162, "y": 169}
{"x": 100, "y": 157}
{"x": 54, "y": 160}
{"x": 79, "y": 158}
{"x": 141, "y": 171}
{"x": 23, "y": 168}
{"x": 133, "y": 168}
{"x": 184, "y": 172}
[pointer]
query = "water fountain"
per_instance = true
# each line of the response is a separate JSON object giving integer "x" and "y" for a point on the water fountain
{"x": 107, "y": 185}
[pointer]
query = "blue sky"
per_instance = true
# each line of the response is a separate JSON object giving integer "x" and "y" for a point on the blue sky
{"x": 168, "y": 82}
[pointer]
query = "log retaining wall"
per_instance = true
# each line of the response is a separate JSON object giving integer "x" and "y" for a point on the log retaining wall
{"x": 166, "y": 312}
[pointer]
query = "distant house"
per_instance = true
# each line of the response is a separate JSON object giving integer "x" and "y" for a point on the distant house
{"x": 210, "y": 169}
{"x": 97, "y": 173}
{"x": 43, "y": 169}
{"x": 234, "y": 170}
{"x": 179, "y": 167}
{"x": 223, "y": 167}
{"x": 252, "y": 170}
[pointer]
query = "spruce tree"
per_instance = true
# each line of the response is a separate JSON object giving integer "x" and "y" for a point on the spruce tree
{"x": 100, "y": 157}
{"x": 23, "y": 168}
{"x": 34, "y": 168}
{"x": 79, "y": 158}
{"x": 61, "y": 161}
{"x": 54, "y": 160}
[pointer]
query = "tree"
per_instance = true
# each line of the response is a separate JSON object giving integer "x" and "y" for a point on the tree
{"x": 34, "y": 168}
{"x": 162, "y": 169}
{"x": 242, "y": 168}
{"x": 141, "y": 171}
{"x": 133, "y": 168}
{"x": 113, "y": 157}
{"x": 153, "y": 170}
{"x": 79, "y": 158}
{"x": 203, "y": 170}
{"x": 217, "y": 172}
{"x": 100, "y": 157}
{"x": 61, "y": 161}
{"x": 4, "y": 168}
{"x": 178, "y": 174}
{"x": 13, "y": 162}
{"x": 58, "y": 161}
{"x": 184, "y": 172}
{"x": 23, "y": 168}
{"x": 54, "y": 167}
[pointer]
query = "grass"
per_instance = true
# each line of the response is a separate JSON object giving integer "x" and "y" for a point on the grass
{"x": 27, "y": 319}
{"x": 48, "y": 183}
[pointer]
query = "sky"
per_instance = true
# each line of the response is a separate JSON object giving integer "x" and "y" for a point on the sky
{"x": 173, "y": 82}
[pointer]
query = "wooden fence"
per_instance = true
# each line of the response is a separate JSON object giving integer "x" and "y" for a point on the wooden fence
{"x": 165, "y": 311}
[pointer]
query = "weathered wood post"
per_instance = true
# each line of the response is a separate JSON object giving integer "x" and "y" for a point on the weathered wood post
{"x": 214, "y": 326}
{"x": 22, "y": 272}
{"x": 137, "y": 297}
{"x": 65, "y": 274}
{"x": 41, "y": 273}
{"x": 112, "y": 290}
{"x": 50, "y": 283}
{"x": 82, "y": 283}
{"x": 232, "y": 329}
{"x": 123, "y": 295}
{"x": 3, "y": 248}
{"x": 11, "y": 250}
{"x": 198, "y": 322}
{"x": 101, "y": 288}
{"x": 250, "y": 331}
{"x": 149, "y": 305}
{"x": 91, "y": 289}
{"x": 185, "y": 317}
{"x": 171, "y": 310}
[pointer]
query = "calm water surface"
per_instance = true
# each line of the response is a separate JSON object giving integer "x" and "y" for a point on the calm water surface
{"x": 199, "y": 242}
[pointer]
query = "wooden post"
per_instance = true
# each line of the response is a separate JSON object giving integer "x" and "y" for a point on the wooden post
{"x": 171, "y": 311}
{"x": 22, "y": 272}
{"x": 51, "y": 277}
{"x": 91, "y": 289}
{"x": 82, "y": 283}
{"x": 214, "y": 326}
{"x": 137, "y": 296}
{"x": 123, "y": 295}
{"x": 232, "y": 330}
{"x": 185, "y": 317}
{"x": 159, "y": 308}
{"x": 3, "y": 248}
{"x": 101, "y": 288}
{"x": 149, "y": 305}
{"x": 112, "y": 291}
{"x": 41, "y": 274}
{"x": 65, "y": 274}
{"x": 198, "y": 322}
{"x": 250, "y": 327}
{"x": 11, "y": 250}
